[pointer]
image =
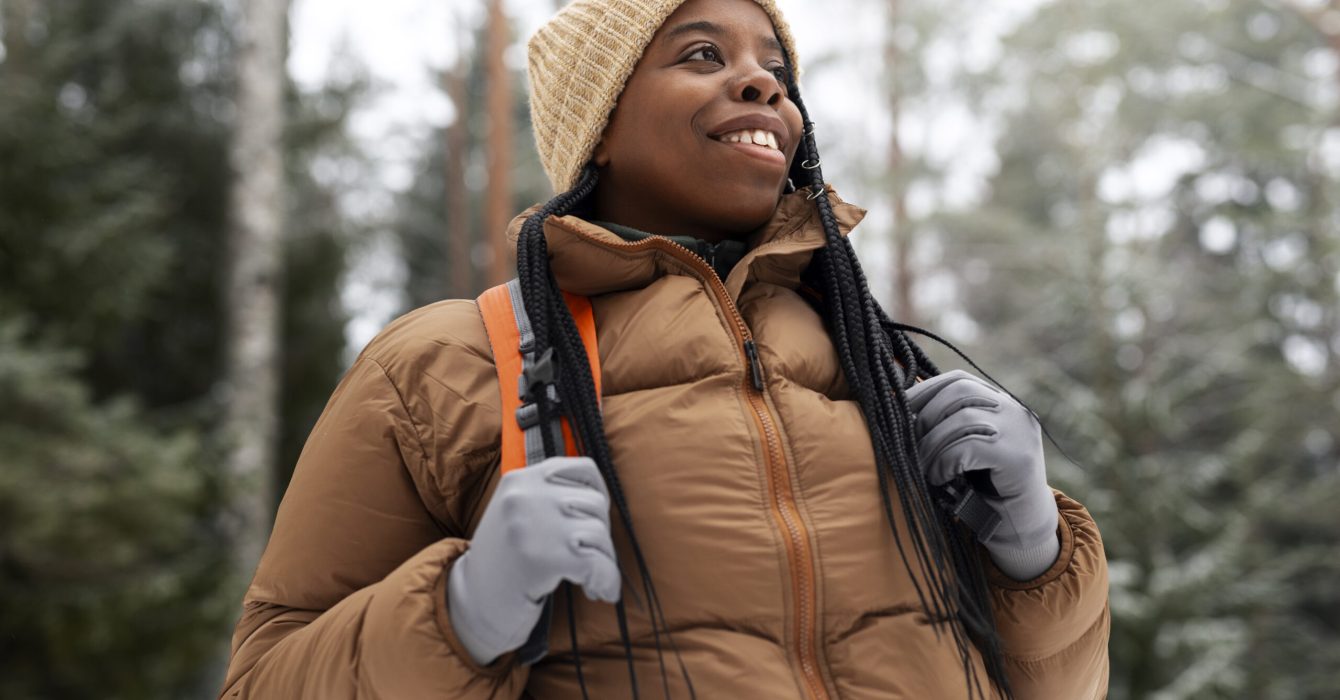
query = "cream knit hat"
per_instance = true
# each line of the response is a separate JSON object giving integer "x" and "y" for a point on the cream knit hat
{"x": 579, "y": 62}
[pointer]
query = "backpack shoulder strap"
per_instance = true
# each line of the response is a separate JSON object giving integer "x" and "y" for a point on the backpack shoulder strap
{"x": 510, "y": 336}
{"x": 509, "y": 331}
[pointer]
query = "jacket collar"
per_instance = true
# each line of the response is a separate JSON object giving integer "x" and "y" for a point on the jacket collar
{"x": 589, "y": 260}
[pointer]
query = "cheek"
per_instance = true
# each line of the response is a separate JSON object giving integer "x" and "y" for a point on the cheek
{"x": 791, "y": 115}
{"x": 652, "y": 115}
{"x": 657, "y": 136}
{"x": 671, "y": 119}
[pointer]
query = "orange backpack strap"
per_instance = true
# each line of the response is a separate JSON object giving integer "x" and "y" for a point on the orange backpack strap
{"x": 513, "y": 343}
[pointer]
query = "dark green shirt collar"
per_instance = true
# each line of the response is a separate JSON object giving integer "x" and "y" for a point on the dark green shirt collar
{"x": 722, "y": 256}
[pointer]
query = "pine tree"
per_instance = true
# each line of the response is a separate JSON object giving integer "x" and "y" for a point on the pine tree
{"x": 426, "y": 218}
{"x": 1155, "y": 270}
{"x": 114, "y": 124}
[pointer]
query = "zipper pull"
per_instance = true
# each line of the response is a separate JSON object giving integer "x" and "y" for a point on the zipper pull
{"x": 755, "y": 367}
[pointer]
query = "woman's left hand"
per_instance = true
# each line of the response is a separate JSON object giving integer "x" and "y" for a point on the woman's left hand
{"x": 965, "y": 426}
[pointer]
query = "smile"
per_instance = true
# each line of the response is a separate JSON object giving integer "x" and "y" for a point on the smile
{"x": 759, "y": 137}
{"x": 755, "y": 143}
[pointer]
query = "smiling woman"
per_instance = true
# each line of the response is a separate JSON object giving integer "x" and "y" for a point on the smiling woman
{"x": 777, "y": 494}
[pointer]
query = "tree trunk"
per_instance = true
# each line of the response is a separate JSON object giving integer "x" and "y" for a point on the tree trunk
{"x": 904, "y": 278}
{"x": 457, "y": 198}
{"x": 498, "y": 200}
{"x": 16, "y": 15}
{"x": 255, "y": 246}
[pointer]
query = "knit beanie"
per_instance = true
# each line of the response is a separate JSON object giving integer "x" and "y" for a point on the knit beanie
{"x": 578, "y": 64}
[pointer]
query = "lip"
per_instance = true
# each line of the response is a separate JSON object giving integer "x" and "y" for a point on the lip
{"x": 763, "y": 153}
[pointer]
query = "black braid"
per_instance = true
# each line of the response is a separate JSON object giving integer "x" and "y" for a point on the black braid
{"x": 880, "y": 362}
{"x": 572, "y": 638}
{"x": 556, "y": 331}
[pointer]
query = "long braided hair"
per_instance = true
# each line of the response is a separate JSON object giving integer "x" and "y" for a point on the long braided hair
{"x": 879, "y": 360}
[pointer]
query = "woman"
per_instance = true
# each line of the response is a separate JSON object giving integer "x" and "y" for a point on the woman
{"x": 758, "y": 513}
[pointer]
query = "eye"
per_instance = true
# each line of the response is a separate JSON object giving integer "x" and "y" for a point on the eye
{"x": 708, "y": 53}
{"x": 782, "y": 74}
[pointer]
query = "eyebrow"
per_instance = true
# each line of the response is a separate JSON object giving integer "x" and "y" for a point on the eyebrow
{"x": 716, "y": 30}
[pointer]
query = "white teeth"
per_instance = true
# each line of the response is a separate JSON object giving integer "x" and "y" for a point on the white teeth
{"x": 758, "y": 137}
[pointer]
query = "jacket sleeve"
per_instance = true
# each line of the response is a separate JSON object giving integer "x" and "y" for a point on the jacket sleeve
{"x": 1054, "y": 629}
{"x": 349, "y": 599}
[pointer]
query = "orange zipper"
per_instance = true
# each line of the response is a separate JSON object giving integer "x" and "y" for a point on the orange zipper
{"x": 783, "y": 501}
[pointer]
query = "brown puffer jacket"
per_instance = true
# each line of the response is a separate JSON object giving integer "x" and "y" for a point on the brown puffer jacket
{"x": 759, "y": 512}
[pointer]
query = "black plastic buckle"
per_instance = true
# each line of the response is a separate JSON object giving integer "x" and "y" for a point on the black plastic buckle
{"x": 537, "y": 377}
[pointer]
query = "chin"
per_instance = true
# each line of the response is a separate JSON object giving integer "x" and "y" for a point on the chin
{"x": 745, "y": 219}
{"x": 745, "y": 209}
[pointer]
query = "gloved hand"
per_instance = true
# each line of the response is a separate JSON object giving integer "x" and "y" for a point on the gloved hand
{"x": 965, "y": 425}
{"x": 546, "y": 523}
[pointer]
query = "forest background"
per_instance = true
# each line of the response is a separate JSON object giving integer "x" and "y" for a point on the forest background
{"x": 1127, "y": 212}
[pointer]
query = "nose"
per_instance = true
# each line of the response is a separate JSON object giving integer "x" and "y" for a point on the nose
{"x": 759, "y": 85}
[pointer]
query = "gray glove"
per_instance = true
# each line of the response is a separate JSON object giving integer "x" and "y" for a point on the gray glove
{"x": 546, "y": 523}
{"x": 965, "y": 425}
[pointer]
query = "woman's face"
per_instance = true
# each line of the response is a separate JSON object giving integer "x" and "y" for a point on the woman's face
{"x": 671, "y": 160}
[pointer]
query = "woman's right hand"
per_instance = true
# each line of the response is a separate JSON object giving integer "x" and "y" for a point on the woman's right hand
{"x": 547, "y": 523}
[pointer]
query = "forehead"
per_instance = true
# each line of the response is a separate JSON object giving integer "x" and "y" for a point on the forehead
{"x": 736, "y": 20}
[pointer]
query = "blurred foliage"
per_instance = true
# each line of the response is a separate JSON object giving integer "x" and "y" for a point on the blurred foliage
{"x": 109, "y": 575}
{"x": 114, "y": 128}
{"x": 104, "y": 144}
{"x": 1156, "y": 247}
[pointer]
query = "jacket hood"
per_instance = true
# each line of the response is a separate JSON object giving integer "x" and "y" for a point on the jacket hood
{"x": 588, "y": 259}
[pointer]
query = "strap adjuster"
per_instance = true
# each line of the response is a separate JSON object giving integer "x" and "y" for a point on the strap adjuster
{"x": 538, "y": 374}
{"x": 528, "y": 414}
{"x": 536, "y": 385}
